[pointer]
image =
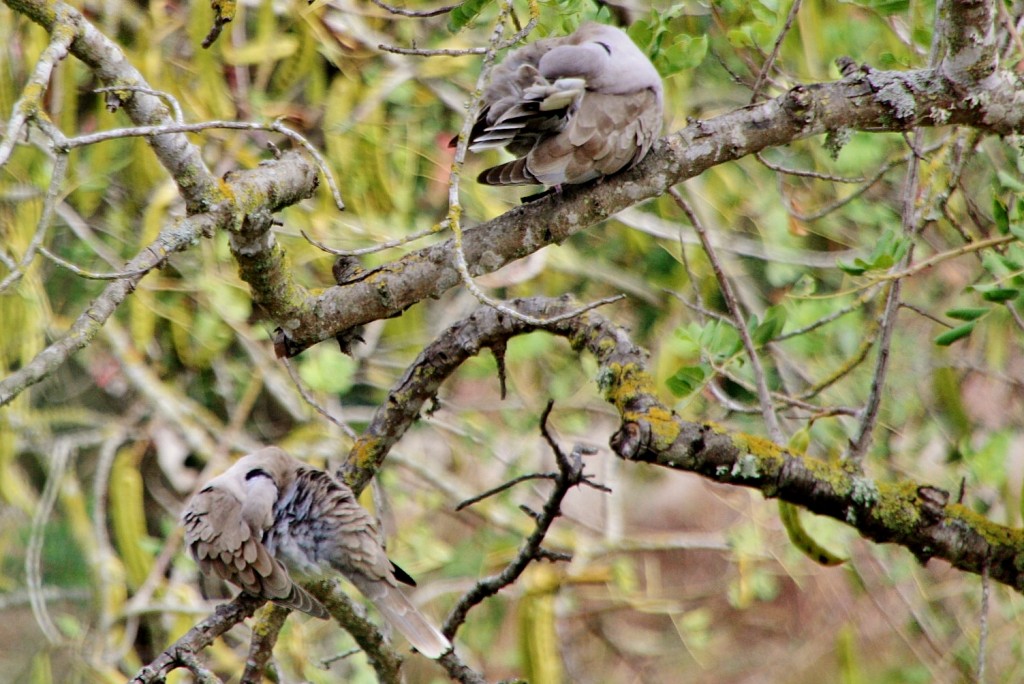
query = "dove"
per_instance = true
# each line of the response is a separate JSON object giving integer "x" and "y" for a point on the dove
{"x": 571, "y": 109}
{"x": 269, "y": 514}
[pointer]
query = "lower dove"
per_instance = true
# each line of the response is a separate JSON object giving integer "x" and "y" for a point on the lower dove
{"x": 270, "y": 513}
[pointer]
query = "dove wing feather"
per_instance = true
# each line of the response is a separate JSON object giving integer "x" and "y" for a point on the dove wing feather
{"x": 226, "y": 545}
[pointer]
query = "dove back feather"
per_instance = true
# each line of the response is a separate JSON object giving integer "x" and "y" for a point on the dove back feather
{"x": 572, "y": 109}
{"x": 318, "y": 507}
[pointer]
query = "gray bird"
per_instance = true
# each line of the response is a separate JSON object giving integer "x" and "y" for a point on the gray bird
{"x": 571, "y": 108}
{"x": 269, "y": 513}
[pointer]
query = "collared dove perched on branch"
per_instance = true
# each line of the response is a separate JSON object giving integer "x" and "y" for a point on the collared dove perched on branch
{"x": 269, "y": 511}
{"x": 571, "y": 108}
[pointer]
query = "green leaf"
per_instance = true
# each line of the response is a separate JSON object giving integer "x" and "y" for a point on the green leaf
{"x": 1001, "y": 216}
{"x": 967, "y": 314}
{"x": 465, "y": 13}
{"x": 950, "y": 336}
{"x": 685, "y": 53}
{"x": 774, "y": 321}
{"x": 856, "y": 268}
{"x": 686, "y": 380}
{"x": 720, "y": 340}
{"x": 889, "y": 249}
{"x": 885, "y": 6}
{"x": 1009, "y": 182}
{"x": 1000, "y": 294}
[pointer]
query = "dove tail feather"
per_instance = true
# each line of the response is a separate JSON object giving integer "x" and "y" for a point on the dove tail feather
{"x": 399, "y": 611}
{"x": 301, "y": 600}
{"x": 510, "y": 173}
{"x": 423, "y": 636}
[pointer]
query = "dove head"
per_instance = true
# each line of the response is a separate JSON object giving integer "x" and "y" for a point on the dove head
{"x": 255, "y": 480}
{"x": 606, "y": 57}
{"x": 267, "y": 464}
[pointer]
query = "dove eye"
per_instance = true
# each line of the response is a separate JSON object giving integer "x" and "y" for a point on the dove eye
{"x": 605, "y": 46}
{"x": 256, "y": 472}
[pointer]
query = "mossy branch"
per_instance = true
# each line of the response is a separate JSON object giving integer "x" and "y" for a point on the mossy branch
{"x": 911, "y": 514}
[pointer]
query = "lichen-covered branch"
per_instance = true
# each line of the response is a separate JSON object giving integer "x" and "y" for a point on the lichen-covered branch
{"x": 865, "y": 99}
{"x": 268, "y": 623}
{"x": 914, "y": 515}
{"x": 966, "y": 31}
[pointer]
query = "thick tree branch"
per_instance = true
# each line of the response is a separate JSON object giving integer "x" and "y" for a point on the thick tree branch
{"x": 916, "y": 516}
{"x": 966, "y": 31}
{"x": 864, "y": 100}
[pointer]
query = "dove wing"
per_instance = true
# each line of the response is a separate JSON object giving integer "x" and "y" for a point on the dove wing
{"x": 226, "y": 545}
{"x": 606, "y": 133}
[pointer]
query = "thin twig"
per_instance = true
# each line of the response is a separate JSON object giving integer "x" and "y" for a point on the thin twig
{"x": 390, "y": 244}
{"x": 30, "y": 102}
{"x": 33, "y": 555}
{"x": 461, "y": 52}
{"x": 163, "y": 129}
{"x": 804, "y": 173}
{"x": 770, "y": 62}
{"x": 308, "y": 398}
{"x": 415, "y": 13}
{"x": 732, "y": 304}
{"x": 179, "y": 117}
{"x": 869, "y": 417}
{"x": 570, "y": 474}
{"x": 502, "y": 487}
{"x": 60, "y": 169}
{"x": 92, "y": 275}
{"x": 986, "y": 591}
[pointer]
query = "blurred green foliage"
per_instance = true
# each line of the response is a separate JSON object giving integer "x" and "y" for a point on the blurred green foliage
{"x": 184, "y": 373}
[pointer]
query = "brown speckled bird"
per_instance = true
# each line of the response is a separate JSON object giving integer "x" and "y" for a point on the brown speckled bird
{"x": 571, "y": 108}
{"x": 270, "y": 513}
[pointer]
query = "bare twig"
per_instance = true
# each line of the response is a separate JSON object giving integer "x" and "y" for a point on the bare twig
{"x": 33, "y": 571}
{"x": 309, "y": 399}
{"x": 28, "y": 105}
{"x": 179, "y": 117}
{"x": 869, "y": 416}
{"x": 986, "y": 591}
{"x": 805, "y": 173}
{"x": 414, "y": 13}
{"x": 163, "y": 129}
{"x": 769, "y": 63}
{"x": 60, "y": 169}
{"x": 390, "y": 244}
{"x": 504, "y": 486}
{"x": 91, "y": 275}
{"x": 570, "y": 474}
{"x": 732, "y": 304}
